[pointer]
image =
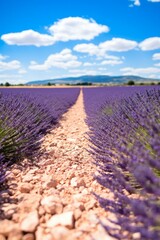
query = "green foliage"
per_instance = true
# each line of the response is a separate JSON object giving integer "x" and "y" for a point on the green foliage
{"x": 84, "y": 83}
{"x": 79, "y": 84}
{"x": 50, "y": 84}
{"x": 7, "y": 84}
{"x": 21, "y": 84}
{"x": 108, "y": 110}
{"x": 9, "y": 145}
{"x": 130, "y": 82}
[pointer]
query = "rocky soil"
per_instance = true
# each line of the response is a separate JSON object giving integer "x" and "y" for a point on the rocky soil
{"x": 53, "y": 199}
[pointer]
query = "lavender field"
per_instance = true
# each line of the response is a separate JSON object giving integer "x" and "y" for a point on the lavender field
{"x": 124, "y": 143}
{"x": 25, "y": 116}
{"x": 124, "y": 124}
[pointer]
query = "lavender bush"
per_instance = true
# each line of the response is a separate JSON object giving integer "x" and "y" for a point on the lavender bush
{"x": 125, "y": 143}
{"x": 25, "y": 116}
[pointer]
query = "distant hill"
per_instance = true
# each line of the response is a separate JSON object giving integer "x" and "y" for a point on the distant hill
{"x": 92, "y": 79}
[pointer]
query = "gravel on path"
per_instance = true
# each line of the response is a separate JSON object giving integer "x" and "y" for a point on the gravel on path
{"x": 55, "y": 198}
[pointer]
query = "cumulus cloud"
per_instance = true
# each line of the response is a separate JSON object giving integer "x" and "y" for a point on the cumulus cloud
{"x": 22, "y": 71}
{"x": 156, "y": 56}
{"x": 135, "y": 3}
{"x": 12, "y": 65}
{"x": 157, "y": 64}
{"x": 3, "y": 57}
{"x": 89, "y": 48}
{"x": 140, "y": 71}
{"x": 79, "y": 72}
{"x": 118, "y": 45}
{"x": 28, "y": 37}
{"x": 83, "y": 71}
{"x": 150, "y": 44}
{"x": 111, "y": 62}
{"x": 71, "y": 28}
{"x": 65, "y": 59}
{"x": 88, "y": 64}
{"x": 153, "y": 0}
{"x": 115, "y": 45}
{"x": 76, "y": 28}
{"x": 138, "y": 3}
{"x": 11, "y": 78}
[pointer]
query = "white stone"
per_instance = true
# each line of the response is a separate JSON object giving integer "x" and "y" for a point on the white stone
{"x": 25, "y": 187}
{"x": 74, "y": 182}
{"x": 15, "y": 235}
{"x": 51, "y": 205}
{"x": 65, "y": 219}
{"x": 28, "y": 178}
{"x": 59, "y": 232}
{"x": 30, "y": 222}
{"x": 91, "y": 204}
{"x": 49, "y": 182}
{"x": 2, "y": 237}
{"x": 7, "y": 226}
{"x": 9, "y": 209}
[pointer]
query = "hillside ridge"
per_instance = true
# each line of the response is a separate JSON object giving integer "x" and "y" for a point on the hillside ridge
{"x": 92, "y": 79}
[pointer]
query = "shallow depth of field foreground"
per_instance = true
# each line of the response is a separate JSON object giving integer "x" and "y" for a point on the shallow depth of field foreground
{"x": 80, "y": 164}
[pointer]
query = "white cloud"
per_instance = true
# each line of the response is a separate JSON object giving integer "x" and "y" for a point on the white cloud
{"x": 152, "y": 76}
{"x": 65, "y": 59}
{"x": 12, "y": 65}
{"x": 151, "y": 43}
{"x": 118, "y": 45}
{"x": 153, "y": 0}
{"x": 79, "y": 72}
{"x": 140, "y": 71}
{"x": 22, "y": 71}
{"x": 115, "y": 45}
{"x": 111, "y": 62}
{"x": 28, "y": 37}
{"x": 157, "y": 64}
{"x": 88, "y": 64}
{"x": 102, "y": 68}
{"x": 135, "y": 3}
{"x": 89, "y": 48}
{"x": 11, "y": 78}
{"x": 71, "y": 28}
{"x": 3, "y": 57}
{"x": 76, "y": 28}
{"x": 156, "y": 56}
{"x": 95, "y": 71}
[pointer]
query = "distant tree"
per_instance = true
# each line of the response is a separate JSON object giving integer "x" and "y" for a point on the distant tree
{"x": 152, "y": 83}
{"x": 1, "y": 84}
{"x": 158, "y": 83}
{"x": 7, "y": 84}
{"x": 49, "y": 84}
{"x": 84, "y": 83}
{"x": 131, "y": 82}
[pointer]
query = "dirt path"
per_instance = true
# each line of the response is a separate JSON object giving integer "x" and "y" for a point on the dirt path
{"x": 55, "y": 200}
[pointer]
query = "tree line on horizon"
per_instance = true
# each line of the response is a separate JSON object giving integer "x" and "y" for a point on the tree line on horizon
{"x": 130, "y": 82}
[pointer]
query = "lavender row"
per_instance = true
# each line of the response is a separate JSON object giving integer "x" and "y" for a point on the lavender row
{"x": 25, "y": 116}
{"x": 125, "y": 142}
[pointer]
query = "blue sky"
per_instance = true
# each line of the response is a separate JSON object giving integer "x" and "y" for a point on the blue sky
{"x": 43, "y": 39}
